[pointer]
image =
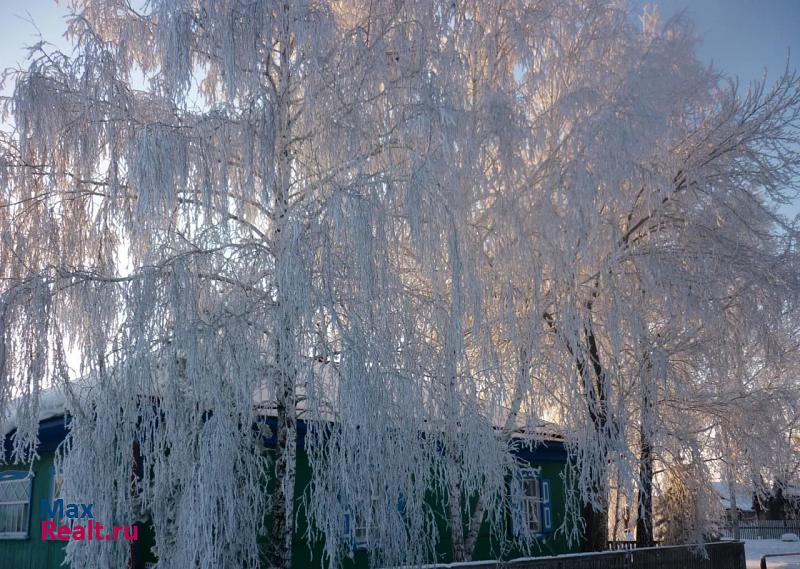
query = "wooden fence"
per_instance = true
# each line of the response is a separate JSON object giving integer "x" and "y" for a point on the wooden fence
{"x": 764, "y": 529}
{"x": 720, "y": 555}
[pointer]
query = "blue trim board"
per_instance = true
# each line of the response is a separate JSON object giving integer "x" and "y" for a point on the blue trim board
{"x": 51, "y": 432}
{"x": 7, "y": 475}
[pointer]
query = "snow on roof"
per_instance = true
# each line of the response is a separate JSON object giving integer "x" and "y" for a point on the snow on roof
{"x": 791, "y": 491}
{"x": 744, "y": 495}
{"x": 540, "y": 431}
{"x": 545, "y": 431}
{"x": 52, "y": 403}
{"x": 534, "y": 428}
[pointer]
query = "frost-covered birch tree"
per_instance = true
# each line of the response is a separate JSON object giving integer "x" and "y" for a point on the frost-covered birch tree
{"x": 419, "y": 226}
{"x": 164, "y": 192}
{"x": 667, "y": 182}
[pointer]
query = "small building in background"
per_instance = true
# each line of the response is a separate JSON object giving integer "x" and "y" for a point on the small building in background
{"x": 744, "y": 501}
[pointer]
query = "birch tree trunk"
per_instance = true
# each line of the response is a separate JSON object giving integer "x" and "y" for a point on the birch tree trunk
{"x": 644, "y": 522}
{"x": 730, "y": 479}
{"x": 285, "y": 465}
{"x": 591, "y": 376}
{"x": 453, "y": 353}
{"x": 456, "y": 523}
{"x": 475, "y": 524}
{"x": 596, "y": 515}
{"x": 282, "y": 531}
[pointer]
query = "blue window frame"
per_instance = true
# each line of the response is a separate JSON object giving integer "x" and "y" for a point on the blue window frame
{"x": 362, "y": 526}
{"x": 547, "y": 508}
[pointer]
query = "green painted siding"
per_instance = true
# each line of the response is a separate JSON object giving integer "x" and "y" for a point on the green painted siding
{"x": 484, "y": 548}
{"x": 550, "y": 544}
{"x": 487, "y": 548}
{"x": 33, "y": 553}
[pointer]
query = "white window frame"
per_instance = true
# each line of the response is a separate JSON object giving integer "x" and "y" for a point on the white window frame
{"x": 532, "y": 505}
{"x": 359, "y": 529}
{"x": 25, "y": 521}
{"x": 528, "y": 514}
{"x": 363, "y": 526}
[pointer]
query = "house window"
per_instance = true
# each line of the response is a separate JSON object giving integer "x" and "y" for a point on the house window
{"x": 363, "y": 525}
{"x": 56, "y": 484}
{"x": 531, "y": 508}
{"x": 547, "y": 516}
{"x": 359, "y": 526}
{"x": 531, "y": 505}
{"x": 361, "y": 530}
{"x": 15, "y": 503}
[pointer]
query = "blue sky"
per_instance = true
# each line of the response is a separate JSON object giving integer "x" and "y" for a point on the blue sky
{"x": 15, "y": 31}
{"x": 741, "y": 37}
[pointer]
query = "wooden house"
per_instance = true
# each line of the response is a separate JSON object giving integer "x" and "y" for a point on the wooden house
{"x": 537, "y": 500}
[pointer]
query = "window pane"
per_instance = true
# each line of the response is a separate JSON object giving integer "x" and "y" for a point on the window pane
{"x": 13, "y": 518}
{"x": 531, "y": 505}
{"x": 360, "y": 531}
{"x": 14, "y": 491}
{"x": 14, "y": 505}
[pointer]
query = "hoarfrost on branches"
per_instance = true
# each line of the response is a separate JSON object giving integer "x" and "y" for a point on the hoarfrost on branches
{"x": 420, "y": 227}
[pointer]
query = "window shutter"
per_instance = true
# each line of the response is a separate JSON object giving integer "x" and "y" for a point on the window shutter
{"x": 547, "y": 516}
{"x": 52, "y": 489}
{"x": 517, "y": 516}
{"x": 347, "y": 525}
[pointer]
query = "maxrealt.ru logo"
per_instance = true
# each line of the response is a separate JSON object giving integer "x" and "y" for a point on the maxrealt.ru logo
{"x": 80, "y": 524}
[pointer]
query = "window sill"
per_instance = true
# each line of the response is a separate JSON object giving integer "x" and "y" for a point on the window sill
{"x": 13, "y": 536}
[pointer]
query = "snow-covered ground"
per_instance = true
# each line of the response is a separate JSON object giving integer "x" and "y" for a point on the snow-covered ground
{"x": 755, "y": 548}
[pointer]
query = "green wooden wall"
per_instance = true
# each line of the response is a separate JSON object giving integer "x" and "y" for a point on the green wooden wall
{"x": 310, "y": 558}
{"x": 551, "y": 544}
{"x": 33, "y": 553}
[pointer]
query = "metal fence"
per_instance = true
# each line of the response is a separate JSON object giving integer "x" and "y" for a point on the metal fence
{"x": 721, "y": 555}
{"x": 763, "y": 529}
{"x": 623, "y": 545}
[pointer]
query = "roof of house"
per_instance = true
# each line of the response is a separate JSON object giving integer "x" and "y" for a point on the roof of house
{"x": 744, "y": 495}
{"x": 53, "y": 403}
